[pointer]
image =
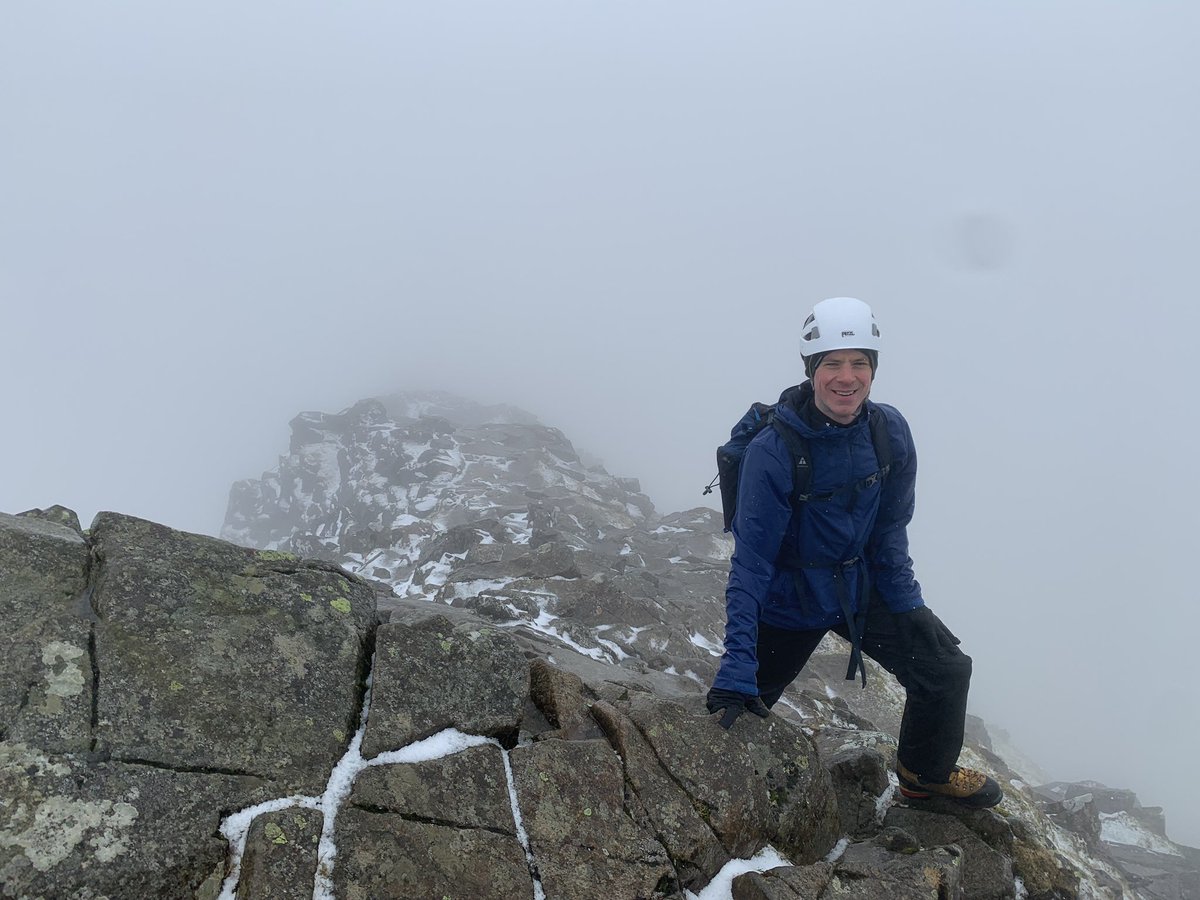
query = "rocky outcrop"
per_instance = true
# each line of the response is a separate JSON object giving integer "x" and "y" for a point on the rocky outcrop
{"x": 247, "y": 722}
{"x": 1114, "y": 824}
{"x": 209, "y": 657}
{"x": 152, "y": 681}
{"x": 462, "y": 661}
{"x": 866, "y": 871}
{"x": 46, "y": 683}
{"x": 210, "y": 678}
{"x": 489, "y": 510}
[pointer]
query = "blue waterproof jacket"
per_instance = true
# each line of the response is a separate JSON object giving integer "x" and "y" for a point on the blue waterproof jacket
{"x": 855, "y": 529}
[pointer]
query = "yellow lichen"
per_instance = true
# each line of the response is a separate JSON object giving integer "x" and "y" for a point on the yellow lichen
{"x": 275, "y": 555}
{"x": 341, "y": 604}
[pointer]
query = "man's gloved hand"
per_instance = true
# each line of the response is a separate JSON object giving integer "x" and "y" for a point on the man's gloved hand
{"x": 734, "y": 705}
{"x": 926, "y": 631}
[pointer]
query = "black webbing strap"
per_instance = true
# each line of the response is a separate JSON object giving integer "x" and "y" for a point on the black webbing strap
{"x": 801, "y": 464}
{"x": 856, "y": 624}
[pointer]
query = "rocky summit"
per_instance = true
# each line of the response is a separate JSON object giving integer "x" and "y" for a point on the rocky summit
{"x": 439, "y": 654}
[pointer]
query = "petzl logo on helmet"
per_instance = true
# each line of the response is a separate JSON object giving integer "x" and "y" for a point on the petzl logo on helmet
{"x": 847, "y": 334}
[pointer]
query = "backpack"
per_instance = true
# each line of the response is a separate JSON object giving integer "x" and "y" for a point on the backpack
{"x": 758, "y": 417}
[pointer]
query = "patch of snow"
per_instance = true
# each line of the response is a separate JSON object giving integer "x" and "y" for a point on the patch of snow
{"x": 669, "y": 529}
{"x": 838, "y": 849}
{"x": 884, "y": 800}
{"x": 1122, "y": 828}
{"x": 464, "y": 589}
{"x": 542, "y": 624}
{"x": 323, "y": 460}
{"x": 518, "y": 822}
{"x": 436, "y": 573}
{"x": 721, "y": 887}
{"x": 444, "y": 743}
{"x": 516, "y": 525}
{"x": 705, "y": 644}
{"x": 614, "y": 648}
{"x": 413, "y": 450}
{"x": 341, "y": 780}
{"x": 236, "y": 827}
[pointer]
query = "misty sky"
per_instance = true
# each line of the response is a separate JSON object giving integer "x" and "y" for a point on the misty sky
{"x": 213, "y": 216}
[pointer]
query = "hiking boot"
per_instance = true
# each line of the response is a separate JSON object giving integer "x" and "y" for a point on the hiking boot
{"x": 966, "y": 786}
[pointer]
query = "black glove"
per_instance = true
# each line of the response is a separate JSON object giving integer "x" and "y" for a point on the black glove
{"x": 734, "y": 705}
{"x": 925, "y": 632}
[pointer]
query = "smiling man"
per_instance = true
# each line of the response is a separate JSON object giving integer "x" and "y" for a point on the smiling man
{"x": 824, "y": 498}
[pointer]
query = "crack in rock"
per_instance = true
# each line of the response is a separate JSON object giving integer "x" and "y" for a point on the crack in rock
{"x": 235, "y": 828}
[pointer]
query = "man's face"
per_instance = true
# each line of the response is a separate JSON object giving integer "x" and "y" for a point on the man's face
{"x": 841, "y": 384}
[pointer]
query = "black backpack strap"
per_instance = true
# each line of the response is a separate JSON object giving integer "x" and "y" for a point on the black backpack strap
{"x": 881, "y": 439}
{"x": 801, "y": 462}
{"x": 856, "y": 623}
{"x": 802, "y": 459}
{"x": 883, "y": 456}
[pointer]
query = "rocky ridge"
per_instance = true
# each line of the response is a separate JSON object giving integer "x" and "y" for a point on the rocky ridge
{"x": 566, "y": 554}
{"x": 493, "y": 512}
{"x": 183, "y": 717}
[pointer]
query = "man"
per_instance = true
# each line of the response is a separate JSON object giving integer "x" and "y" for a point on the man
{"x": 837, "y": 558}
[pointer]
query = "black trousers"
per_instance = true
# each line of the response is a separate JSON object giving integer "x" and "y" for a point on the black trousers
{"x": 936, "y": 682}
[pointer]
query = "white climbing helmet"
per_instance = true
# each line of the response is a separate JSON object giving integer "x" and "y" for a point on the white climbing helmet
{"x": 839, "y": 323}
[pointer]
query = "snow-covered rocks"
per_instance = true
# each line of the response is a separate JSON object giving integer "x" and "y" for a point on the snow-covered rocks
{"x": 487, "y": 509}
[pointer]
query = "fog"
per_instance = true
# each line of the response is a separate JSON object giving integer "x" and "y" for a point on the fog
{"x": 616, "y": 215}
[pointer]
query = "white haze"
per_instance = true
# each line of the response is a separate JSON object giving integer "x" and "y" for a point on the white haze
{"x": 214, "y": 215}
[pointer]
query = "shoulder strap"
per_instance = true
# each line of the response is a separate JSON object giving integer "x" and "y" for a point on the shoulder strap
{"x": 801, "y": 462}
{"x": 881, "y": 439}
